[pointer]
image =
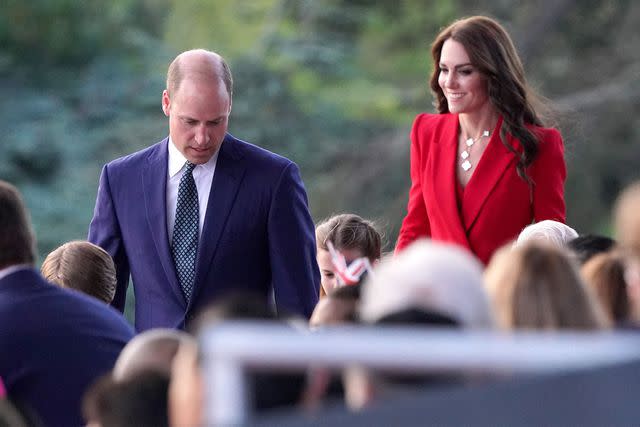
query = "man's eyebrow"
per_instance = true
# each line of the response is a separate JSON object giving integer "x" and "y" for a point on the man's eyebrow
{"x": 192, "y": 119}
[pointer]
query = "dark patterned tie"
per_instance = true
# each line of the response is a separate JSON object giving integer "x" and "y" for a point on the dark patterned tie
{"x": 185, "y": 231}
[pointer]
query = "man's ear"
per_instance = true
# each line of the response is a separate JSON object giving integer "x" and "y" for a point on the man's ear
{"x": 166, "y": 103}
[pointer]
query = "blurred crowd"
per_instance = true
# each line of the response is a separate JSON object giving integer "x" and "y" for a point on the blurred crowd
{"x": 551, "y": 278}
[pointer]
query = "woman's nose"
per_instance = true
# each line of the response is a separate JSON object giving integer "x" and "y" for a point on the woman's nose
{"x": 450, "y": 81}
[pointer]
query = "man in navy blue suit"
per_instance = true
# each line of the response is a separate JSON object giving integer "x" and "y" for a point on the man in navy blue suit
{"x": 202, "y": 214}
{"x": 54, "y": 342}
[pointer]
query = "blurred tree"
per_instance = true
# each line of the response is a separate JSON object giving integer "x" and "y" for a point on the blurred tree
{"x": 333, "y": 84}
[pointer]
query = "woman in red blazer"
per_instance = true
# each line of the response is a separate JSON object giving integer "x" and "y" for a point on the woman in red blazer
{"x": 485, "y": 166}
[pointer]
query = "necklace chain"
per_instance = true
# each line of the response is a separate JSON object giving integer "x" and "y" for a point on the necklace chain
{"x": 466, "y": 164}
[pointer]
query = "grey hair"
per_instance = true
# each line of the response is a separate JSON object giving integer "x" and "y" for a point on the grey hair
{"x": 554, "y": 232}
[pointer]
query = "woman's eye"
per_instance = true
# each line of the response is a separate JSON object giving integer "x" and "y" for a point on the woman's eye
{"x": 466, "y": 72}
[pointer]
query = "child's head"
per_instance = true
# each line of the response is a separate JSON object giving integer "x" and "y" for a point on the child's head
{"x": 353, "y": 236}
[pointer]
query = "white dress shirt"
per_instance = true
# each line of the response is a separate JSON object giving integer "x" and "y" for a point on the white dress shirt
{"x": 203, "y": 176}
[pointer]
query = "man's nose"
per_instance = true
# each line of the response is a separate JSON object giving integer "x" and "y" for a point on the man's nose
{"x": 202, "y": 136}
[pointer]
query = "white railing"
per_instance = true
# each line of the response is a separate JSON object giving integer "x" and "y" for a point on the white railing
{"x": 230, "y": 348}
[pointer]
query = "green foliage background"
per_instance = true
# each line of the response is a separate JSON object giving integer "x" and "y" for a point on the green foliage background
{"x": 332, "y": 84}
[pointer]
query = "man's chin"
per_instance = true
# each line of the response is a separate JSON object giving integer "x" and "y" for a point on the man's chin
{"x": 199, "y": 157}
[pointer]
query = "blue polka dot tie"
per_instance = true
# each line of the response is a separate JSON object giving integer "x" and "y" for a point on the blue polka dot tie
{"x": 185, "y": 231}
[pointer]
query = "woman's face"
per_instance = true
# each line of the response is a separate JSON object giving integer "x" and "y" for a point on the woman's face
{"x": 464, "y": 87}
{"x": 328, "y": 278}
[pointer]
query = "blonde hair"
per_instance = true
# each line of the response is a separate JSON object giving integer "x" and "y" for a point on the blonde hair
{"x": 82, "y": 266}
{"x": 627, "y": 220}
{"x": 537, "y": 286}
{"x": 605, "y": 274}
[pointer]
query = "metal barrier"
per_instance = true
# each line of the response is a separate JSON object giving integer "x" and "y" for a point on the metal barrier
{"x": 228, "y": 349}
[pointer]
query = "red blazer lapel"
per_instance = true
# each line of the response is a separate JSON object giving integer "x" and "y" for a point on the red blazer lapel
{"x": 494, "y": 162}
{"x": 444, "y": 175}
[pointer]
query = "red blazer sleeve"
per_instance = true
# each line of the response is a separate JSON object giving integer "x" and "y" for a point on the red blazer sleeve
{"x": 416, "y": 222}
{"x": 549, "y": 173}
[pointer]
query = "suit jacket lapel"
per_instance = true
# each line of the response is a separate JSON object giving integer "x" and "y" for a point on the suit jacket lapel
{"x": 154, "y": 180}
{"x": 224, "y": 188}
{"x": 494, "y": 162}
{"x": 445, "y": 177}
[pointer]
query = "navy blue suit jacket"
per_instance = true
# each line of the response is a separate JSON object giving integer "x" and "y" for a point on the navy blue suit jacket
{"x": 53, "y": 344}
{"x": 257, "y": 235}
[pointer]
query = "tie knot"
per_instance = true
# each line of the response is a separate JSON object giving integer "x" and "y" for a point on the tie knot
{"x": 189, "y": 167}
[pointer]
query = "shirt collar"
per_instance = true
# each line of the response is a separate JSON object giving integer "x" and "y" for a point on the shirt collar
{"x": 14, "y": 268}
{"x": 177, "y": 160}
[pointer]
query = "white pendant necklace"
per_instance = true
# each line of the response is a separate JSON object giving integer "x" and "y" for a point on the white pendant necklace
{"x": 466, "y": 164}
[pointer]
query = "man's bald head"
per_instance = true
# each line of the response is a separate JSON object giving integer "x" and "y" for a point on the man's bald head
{"x": 198, "y": 64}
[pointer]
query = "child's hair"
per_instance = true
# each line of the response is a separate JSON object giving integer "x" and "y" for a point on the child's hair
{"x": 349, "y": 231}
{"x": 82, "y": 266}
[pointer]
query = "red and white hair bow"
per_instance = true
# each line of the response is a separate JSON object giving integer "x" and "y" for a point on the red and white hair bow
{"x": 348, "y": 274}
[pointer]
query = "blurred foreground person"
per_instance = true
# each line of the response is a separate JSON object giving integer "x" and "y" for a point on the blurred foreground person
{"x": 151, "y": 350}
{"x": 430, "y": 284}
{"x": 10, "y": 416}
{"x": 268, "y": 390}
{"x": 431, "y": 276}
{"x": 82, "y": 266}
{"x": 486, "y": 165}
{"x": 186, "y": 389}
{"x": 605, "y": 274}
{"x": 53, "y": 342}
{"x": 538, "y": 286}
{"x": 586, "y": 246}
{"x": 339, "y": 307}
{"x": 627, "y": 218}
{"x": 627, "y": 226}
{"x": 139, "y": 400}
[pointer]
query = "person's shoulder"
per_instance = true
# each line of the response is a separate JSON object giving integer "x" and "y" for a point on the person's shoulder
{"x": 429, "y": 128}
{"x": 546, "y": 134}
{"x": 434, "y": 117}
{"x": 550, "y": 144}
{"x": 94, "y": 312}
{"x": 32, "y": 286}
{"x": 252, "y": 153}
{"x": 429, "y": 120}
{"x": 139, "y": 156}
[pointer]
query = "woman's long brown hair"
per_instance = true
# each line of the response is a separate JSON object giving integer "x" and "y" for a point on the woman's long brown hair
{"x": 492, "y": 52}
